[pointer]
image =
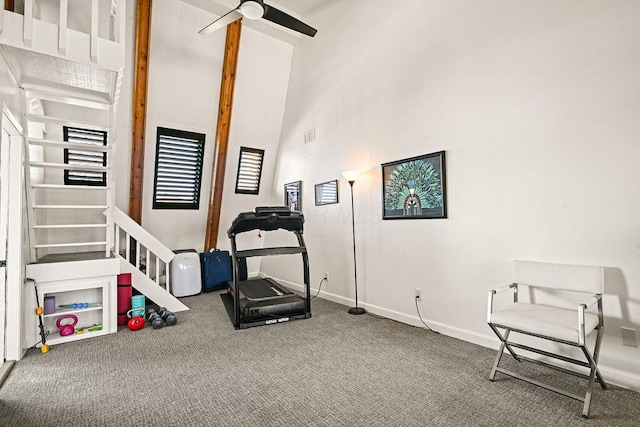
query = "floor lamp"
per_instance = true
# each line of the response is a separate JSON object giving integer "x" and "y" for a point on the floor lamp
{"x": 351, "y": 177}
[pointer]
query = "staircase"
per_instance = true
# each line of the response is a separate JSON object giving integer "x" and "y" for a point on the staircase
{"x": 62, "y": 215}
{"x": 80, "y": 222}
{"x": 69, "y": 85}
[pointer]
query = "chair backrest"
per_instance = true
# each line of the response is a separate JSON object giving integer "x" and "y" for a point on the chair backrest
{"x": 566, "y": 277}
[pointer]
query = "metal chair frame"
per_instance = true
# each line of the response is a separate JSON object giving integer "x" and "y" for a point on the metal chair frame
{"x": 591, "y": 358}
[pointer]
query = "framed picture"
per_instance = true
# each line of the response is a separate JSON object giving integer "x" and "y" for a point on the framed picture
{"x": 415, "y": 188}
{"x": 327, "y": 193}
{"x": 292, "y": 196}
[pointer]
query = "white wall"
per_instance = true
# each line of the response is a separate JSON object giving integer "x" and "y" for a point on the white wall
{"x": 9, "y": 90}
{"x": 16, "y": 237}
{"x": 124, "y": 115}
{"x": 262, "y": 79}
{"x": 536, "y": 105}
{"x": 184, "y": 77}
{"x": 184, "y": 82}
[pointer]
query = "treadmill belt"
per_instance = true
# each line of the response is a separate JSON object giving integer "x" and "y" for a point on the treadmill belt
{"x": 261, "y": 313}
{"x": 262, "y": 289}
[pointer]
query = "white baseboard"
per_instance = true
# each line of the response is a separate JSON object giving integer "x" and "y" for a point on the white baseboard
{"x": 620, "y": 378}
{"x": 5, "y": 369}
{"x": 611, "y": 375}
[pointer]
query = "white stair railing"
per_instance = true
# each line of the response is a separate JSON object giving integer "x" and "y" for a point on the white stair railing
{"x": 137, "y": 246}
{"x": 97, "y": 44}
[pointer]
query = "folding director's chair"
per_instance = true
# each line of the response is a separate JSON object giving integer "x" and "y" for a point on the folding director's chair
{"x": 548, "y": 322}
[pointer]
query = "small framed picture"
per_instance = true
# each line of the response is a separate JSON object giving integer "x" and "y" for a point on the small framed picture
{"x": 327, "y": 193}
{"x": 415, "y": 188}
{"x": 292, "y": 196}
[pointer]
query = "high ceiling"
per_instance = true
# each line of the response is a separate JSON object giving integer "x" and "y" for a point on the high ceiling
{"x": 299, "y": 6}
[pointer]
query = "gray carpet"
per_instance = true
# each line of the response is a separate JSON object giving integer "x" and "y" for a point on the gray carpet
{"x": 334, "y": 369}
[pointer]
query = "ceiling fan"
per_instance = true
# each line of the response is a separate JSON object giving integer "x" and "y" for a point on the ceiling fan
{"x": 256, "y": 9}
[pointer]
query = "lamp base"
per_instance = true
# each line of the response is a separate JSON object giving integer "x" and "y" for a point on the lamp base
{"x": 357, "y": 310}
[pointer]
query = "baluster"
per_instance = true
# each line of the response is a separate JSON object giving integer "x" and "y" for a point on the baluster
{"x": 117, "y": 238}
{"x": 166, "y": 275}
{"x": 157, "y": 277}
{"x": 138, "y": 255}
{"x": 114, "y": 22}
{"x": 120, "y": 27}
{"x": 94, "y": 31}
{"x": 108, "y": 213}
{"x": 27, "y": 34}
{"x": 128, "y": 246}
{"x": 2, "y": 19}
{"x": 62, "y": 28}
{"x": 148, "y": 265}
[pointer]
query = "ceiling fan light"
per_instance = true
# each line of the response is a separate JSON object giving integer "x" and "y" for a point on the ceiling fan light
{"x": 251, "y": 10}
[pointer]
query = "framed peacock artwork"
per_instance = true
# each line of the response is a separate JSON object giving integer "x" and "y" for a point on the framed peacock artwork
{"x": 415, "y": 188}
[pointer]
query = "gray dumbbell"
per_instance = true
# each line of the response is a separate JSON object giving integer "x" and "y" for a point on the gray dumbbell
{"x": 168, "y": 317}
{"x": 155, "y": 319}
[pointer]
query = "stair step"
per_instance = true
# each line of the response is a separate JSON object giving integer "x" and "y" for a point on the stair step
{"x": 65, "y": 245}
{"x": 68, "y": 166}
{"x": 50, "y": 226}
{"x": 69, "y": 207}
{"x": 72, "y": 145}
{"x": 60, "y": 120}
{"x": 65, "y": 96}
{"x": 69, "y": 187}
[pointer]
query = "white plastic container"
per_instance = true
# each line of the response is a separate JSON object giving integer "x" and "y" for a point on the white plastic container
{"x": 185, "y": 277}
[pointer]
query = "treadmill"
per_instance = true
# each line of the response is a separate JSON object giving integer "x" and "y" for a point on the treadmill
{"x": 263, "y": 301}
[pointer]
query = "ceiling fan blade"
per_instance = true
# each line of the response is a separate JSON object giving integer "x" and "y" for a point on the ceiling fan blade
{"x": 221, "y": 22}
{"x": 279, "y": 17}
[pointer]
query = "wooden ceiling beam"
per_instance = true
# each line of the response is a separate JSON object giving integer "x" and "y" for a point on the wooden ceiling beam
{"x": 140, "y": 82}
{"x": 225, "y": 107}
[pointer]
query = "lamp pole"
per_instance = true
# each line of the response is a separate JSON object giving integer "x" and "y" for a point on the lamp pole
{"x": 356, "y": 309}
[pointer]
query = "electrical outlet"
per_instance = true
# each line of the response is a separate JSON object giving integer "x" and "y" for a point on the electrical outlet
{"x": 418, "y": 293}
{"x": 326, "y": 276}
{"x": 629, "y": 337}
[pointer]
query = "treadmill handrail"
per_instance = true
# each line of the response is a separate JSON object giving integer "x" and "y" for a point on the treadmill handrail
{"x": 283, "y": 250}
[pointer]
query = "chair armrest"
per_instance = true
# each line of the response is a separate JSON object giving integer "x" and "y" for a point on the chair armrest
{"x": 594, "y": 299}
{"x": 581, "y": 310}
{"x": 492, "y": 292}
{"x": 502, "y": 289}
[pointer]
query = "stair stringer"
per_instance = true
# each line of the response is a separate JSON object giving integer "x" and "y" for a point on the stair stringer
{"x": 150, "y": 289}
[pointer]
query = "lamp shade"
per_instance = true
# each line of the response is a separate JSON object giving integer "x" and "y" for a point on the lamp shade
{"x": 350, "y": 175}
{"x": 251, "y": 10}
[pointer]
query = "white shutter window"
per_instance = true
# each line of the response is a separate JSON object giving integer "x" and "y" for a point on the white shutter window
{"x": 178, "y": 174}
{"x": 78, "y": 157}
{"x": 249, "y": 170}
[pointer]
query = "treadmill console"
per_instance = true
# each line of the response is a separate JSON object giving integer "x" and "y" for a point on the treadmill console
{"x": 268, "y": 210}
{"x": 267, "y": 218}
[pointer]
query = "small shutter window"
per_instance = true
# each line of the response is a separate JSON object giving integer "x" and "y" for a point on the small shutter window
{"x": 327, "y": 193}
{"x": 249, "y": 170}
{"x": 178, "y": 175}
{"x": 79, "y": 157}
